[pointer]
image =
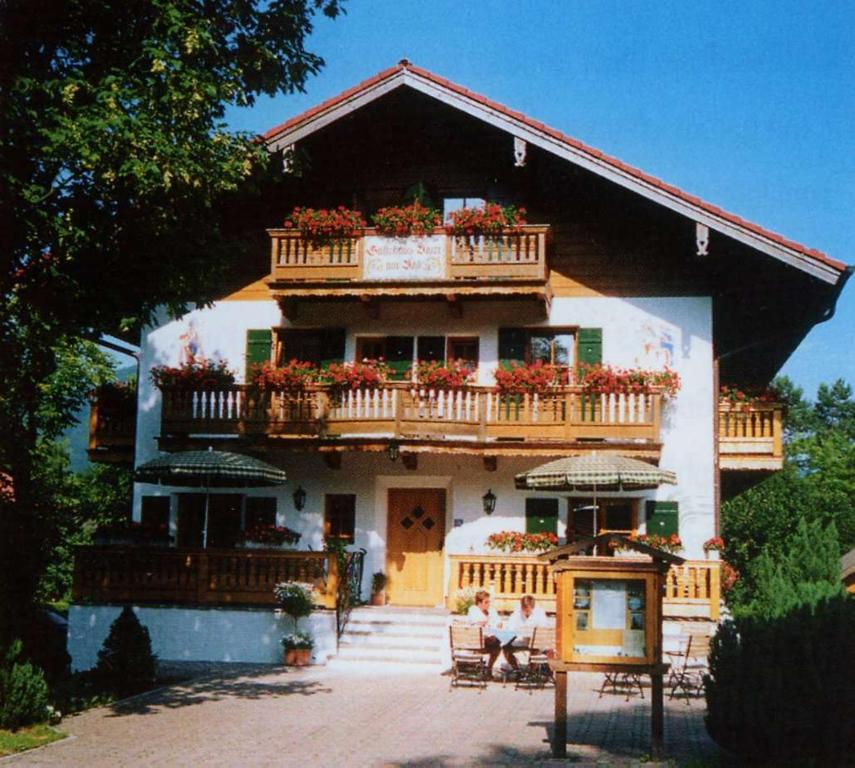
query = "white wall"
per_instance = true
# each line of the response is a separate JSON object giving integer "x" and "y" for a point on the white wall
{"x": 636, "y": 332}
{"x": 200, "y": 634}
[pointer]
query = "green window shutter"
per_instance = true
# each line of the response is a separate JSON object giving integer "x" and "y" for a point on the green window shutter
{"x": 258, "y": 344}
{"x": 512, "y": 342}
{"x": 332, "y": 347}
{"x": 541, "y": 516}
{"x": 663, "y": 518}
{"x": 591, "y": 345}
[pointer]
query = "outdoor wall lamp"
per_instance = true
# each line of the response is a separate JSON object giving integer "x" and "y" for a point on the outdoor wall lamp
{"x": 489, "y": 500}
{"x": 394, "y": 450}
{"x": 299, "y": 498}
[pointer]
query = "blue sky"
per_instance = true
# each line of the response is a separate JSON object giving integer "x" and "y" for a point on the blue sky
{"x": 749, "y": 105}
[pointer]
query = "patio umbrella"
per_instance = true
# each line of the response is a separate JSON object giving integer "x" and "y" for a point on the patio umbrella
{"x": 209, "y": 469}
{"x": 606, "y": 472}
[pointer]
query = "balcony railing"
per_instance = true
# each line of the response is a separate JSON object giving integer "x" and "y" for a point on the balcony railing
{"x": 112, "y": 427}
{"x": 692, "y": 589}
{"x": 404, "y": 411}
{"x": 106, "y": 574}
{"x": 750, "y": 436}
{"x": 516, "y": 255}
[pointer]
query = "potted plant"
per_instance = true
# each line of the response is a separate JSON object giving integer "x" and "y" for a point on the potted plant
{"x": 323, "y": 225}
{"x": 196, "y": 374}
{"x": 296, "y": 600}
{"x": 378, "y": 588}
{"x": 368, "y": 374}
{"x": 490, "y": 219}
{"x": 518, "y": 543}
{"x": 294, "y": 376}
{"x": 714, "y": 545}
{"x": 534, "y": 378}
{"x": 297, "y": 649}
{"x": 413, "y": 220}
{"x": 437, "y": 375}
{"x": 606, "y": 379}
{"x": 268, "y": 537}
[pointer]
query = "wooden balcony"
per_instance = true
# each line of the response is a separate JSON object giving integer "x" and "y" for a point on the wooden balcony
{"x": 474, "y": 419}
{"x": 692, "y": 590}
{"x": 112, "y": 428}
{"x": 510, "y": 264}
{"x": 119, "y": 574}
{"x": 750, "y": 437}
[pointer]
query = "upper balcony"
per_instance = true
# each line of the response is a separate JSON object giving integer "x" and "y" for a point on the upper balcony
{"x": 513, "y": 264}
{"x": 474, "y": 420}
{"x": 750, "y": 436}
{"x": 112, "y": 424}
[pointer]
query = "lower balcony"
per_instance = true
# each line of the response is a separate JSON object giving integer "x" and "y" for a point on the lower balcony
{"x": 750, "y": 436}
{"x": 692, "y": 590}
{"x": 119, "y": 574}
{"x": 474, "y": 419}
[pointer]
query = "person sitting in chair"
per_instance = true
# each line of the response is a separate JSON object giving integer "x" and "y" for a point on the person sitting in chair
{"x": 482, "y": 615}
{"x": 527, "y": 616}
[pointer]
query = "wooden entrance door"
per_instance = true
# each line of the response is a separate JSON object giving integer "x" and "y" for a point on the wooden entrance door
{"x": 414, "y": 541}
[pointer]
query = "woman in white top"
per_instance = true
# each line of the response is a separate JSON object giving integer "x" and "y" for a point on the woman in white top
{"x": 482, "y": 615}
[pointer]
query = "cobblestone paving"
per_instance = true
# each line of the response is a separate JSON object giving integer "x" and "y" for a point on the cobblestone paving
{"x": 317, "y": 717}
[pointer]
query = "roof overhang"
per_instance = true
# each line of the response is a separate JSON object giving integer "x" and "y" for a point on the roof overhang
{"x": 810, "y": 261}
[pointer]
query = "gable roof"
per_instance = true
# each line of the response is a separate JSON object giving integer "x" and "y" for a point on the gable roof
{"x": 809, "y": 260}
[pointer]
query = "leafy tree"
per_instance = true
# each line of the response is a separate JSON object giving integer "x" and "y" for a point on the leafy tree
{"x": 817, "y": 484}
{"x": 116, "y": 168}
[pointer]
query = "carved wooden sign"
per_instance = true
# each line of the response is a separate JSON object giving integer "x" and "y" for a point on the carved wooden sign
{"x": 404, "y": 258}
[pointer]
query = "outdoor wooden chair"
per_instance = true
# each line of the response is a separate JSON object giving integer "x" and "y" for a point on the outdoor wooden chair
{"x": 625, "y": 682}
{"x": 689, "y": 678}
{"x": 541, "y": 648}
{"x": 468, "y": 664}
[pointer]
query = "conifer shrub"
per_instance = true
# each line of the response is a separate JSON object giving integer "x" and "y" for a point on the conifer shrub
{"x": 23, "y": 691}
{"x": 126, "y": 664}
{"x": 781, "y": 685}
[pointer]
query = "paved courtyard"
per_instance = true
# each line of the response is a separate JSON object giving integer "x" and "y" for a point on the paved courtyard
{"x": 322, "y": 717}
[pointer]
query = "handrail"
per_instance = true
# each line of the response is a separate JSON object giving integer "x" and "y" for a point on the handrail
{"x": 691, "y": 589}
{"x": 198, "y": 576}
{"x": 407, "y": 409}
{"x": 751, "y": 429}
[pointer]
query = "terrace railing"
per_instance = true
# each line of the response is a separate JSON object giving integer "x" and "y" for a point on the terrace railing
{"x": 518, "y": 254}
{"x": 198, "y": 576}
{"x": 692, "y": 589}
{"x": 403, "y": 410}
{"x": 751, "y": 435}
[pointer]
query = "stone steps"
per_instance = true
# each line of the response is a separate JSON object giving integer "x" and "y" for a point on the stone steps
{"x": 378, "y": 636}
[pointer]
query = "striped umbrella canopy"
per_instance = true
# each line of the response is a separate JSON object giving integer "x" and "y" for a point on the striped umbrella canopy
{"x": 594, "y": 471}
{"x": 209, "y": 469}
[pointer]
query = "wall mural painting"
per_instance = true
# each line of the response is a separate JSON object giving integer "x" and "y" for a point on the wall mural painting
{"x": 191, "y": 347}
{"x": 657, "y": 345}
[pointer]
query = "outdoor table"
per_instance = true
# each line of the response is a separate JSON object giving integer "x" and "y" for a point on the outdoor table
{"x": 504, "y": 636}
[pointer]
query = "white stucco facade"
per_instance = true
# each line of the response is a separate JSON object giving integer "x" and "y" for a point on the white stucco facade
{"x": 637, "y": 332}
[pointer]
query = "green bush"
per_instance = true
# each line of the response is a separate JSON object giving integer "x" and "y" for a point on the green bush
{"x": 295, "y": 598}
{"x": 23, "y": 691}
{"x": 126, "y": 664}
{"x": 781, "y": 685}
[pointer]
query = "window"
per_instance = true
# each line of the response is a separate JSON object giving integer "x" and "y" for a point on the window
{"x": 463, "y": 350}
{"x": 224, "y": 513}
{"x": 320, "y": 346}
{"x": 154, "y": 516}
{"x": 612, "y": 515}
{"x": 340, "y": 516}
{"x": 396, "y": 351}
{"x": 556, "y": 346}
{"x": 663, "y": 518}
{"x": 401, "y": 352}
{"x": 450, "y": 204}
{"x": 260, "y": 510}
{"x": 431, "y": 349}
{"x": 541, "y": 516}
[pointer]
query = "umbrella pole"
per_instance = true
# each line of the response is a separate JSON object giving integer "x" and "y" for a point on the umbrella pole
{"x": 594, "y": 513}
